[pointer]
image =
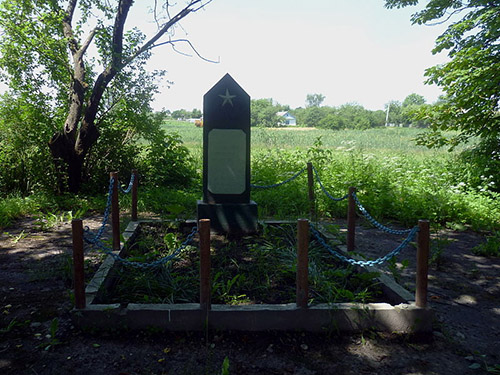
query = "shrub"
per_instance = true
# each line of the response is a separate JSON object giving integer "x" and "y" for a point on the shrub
{"x": 489, "y": 248}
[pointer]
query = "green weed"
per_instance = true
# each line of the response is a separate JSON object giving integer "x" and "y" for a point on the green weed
{"x": 248, "y": 270}
{"x": 396, "y": 179}
{"x": 52, "y": 339}
{"x": 225, "y": 367}
{"x": 16, "y": 238}
{"x": 437, "y": 247}
{"x": 13, "y": 323}
{"x": 396, "y": 269}
{"x": 489, "y": 248}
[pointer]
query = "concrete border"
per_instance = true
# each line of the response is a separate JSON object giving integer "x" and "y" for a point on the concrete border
{"x": 402, "y": 316}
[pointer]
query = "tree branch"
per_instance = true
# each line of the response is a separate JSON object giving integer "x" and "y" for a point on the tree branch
{"x": 88, "y": 133}
{"x": 172, "y": 42}
{"x": 70, "y": 10}
{"x": 67, "y": 28}
{"x": 171, "y": 22}
{"x": 107, "y": 110}
{"x": 117, "y": 46}
{"x": 87, "y": 42}
{"x": 450, "y": 14}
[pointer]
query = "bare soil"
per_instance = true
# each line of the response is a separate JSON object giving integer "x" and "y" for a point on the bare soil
{"x": 35, "y": 289}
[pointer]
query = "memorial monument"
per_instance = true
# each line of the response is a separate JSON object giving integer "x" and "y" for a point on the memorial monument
{"x": 226, "y": 160}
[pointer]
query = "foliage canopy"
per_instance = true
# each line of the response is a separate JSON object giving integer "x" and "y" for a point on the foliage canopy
{"x": 70, "y": 97}
{"x": 471, "y": 79}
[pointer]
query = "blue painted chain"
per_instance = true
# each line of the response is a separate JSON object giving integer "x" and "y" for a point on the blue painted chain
{"x": 324, "y": 189}
{"x": 364, "y": 263}
{"x": 127, "y": 190}
{"x": 91, "y": 238}
{"x": 280, "y": 183}
{"x": 143, "y": 265}
{"x": 375, "y": 222}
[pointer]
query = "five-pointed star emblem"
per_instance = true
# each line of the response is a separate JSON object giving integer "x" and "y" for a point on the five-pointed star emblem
{"x": 227, "y": 98}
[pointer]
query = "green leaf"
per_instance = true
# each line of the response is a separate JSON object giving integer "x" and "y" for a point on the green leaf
{"x": 225, "y": 367}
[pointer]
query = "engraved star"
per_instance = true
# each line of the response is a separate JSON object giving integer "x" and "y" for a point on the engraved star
{"x": 227, "y": 98}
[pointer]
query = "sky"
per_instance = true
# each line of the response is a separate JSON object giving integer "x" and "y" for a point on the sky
{"x": 351, "y": 51}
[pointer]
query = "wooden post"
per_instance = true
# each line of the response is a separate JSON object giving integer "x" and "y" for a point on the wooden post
{"x": 351, "y": 220}
{"x": 423, "y": 244}
{"x": 134, "y": 194}
{"x": 204, "y": 231}
{"x": 79, "y": 276}
{"x": 310, "y": 186}
{"x": 115, "y": 212}
{"x": 302, "y": 262}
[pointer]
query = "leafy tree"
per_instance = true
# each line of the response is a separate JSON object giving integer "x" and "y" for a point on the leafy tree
{"x": 314, "y": 115}
{"x": 24, "y": 131}
{"x": 412, "y": 105}
{"x": 394, "y": 108}
{"x": 355, "y": 116}
{"x": 347, "y": 116}
{"x": 181, "y": 114}
{"x": 196, "y": 113}
{"x": 377, "y": 118}
{"x": 471, "y": 79}
{"x": 264, "y": 113}
{"x": 413, "y": 100}
{"x": 44, "y": 57}
{"x": 332, "y": 121}
{"x": 314, "y": 100}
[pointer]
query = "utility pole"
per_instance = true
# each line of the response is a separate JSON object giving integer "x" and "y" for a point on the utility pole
{"x": 387, "y": 114}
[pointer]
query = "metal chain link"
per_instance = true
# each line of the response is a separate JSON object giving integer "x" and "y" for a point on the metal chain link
{"x": 364, "y": 263}
{"x": 95, "y": 239}
{"x": 375, "y": 222}
{"x": 91, "y": 238}
{"x": 324, "y": 189}
{"x": 144, "y": 265}
{"x": 280, "y": 183}
{"x": 127, "y": 190}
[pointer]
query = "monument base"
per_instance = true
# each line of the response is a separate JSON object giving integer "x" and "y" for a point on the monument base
{"x": 230, "y": 218}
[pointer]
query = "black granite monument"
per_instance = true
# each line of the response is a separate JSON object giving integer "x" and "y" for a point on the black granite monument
{"x": 226, "y": 160}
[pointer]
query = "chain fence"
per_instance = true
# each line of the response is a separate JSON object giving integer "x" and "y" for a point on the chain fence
{"x": 363, "y": 263}
{"x": 96, "y": 239}
{"x": 130, "y": 184}
{"x": 148, "y": 265}
{"x": 296, "y": 175}
{"x": 87, "y": 235}
{"x": 326, "y": 191}
{"x": 409, "y": 232}
{"x": 374, "y": 222}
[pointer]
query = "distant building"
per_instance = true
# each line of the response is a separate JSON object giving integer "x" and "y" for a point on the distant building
{"x": 287, "y": 119}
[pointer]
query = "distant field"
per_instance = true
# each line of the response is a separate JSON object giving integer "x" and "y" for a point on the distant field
{"x": 396, "y": 179}
{"x": 379, "y": 139}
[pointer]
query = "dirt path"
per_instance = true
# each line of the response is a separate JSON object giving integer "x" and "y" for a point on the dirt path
{"x": 34, "y": 294}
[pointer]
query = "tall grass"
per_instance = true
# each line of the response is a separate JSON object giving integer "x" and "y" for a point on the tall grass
{"x": 379, "y": 139}
{"x": 396, "y": 179}
{"x": 16, "y": 206}
{"x": 402, "y": 188}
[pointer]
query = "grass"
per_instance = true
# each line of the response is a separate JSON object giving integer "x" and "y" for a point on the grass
{"x": 48, "y": 209}
{"x": 489, "y": 248}
{"x": 250, "y": 270}
{"x": 396, "y": 180}
{"x": 377, "y": 139}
